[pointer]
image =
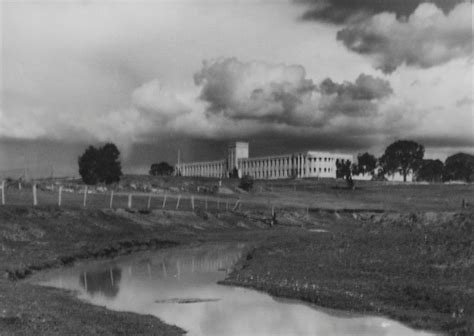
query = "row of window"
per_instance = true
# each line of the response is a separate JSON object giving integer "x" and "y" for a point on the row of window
{"x": 254, "y": 164}
{"x": 272, "y": 173}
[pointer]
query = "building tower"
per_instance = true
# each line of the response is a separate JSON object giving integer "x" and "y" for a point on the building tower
{"x": 236, "y": 151}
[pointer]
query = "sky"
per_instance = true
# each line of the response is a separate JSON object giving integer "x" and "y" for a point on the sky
{"x": 286, "y": 75}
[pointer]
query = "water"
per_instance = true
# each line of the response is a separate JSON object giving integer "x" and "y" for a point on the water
{"x": 178, "y": 285}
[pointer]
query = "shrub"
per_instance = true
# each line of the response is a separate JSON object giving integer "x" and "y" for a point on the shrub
{"x": 246, "y": 183}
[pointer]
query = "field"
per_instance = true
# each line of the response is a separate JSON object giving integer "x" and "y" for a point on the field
{"x": 325, "y": 194}
{"x": 400, "y": 250}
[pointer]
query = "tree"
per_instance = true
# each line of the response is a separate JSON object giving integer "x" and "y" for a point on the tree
{"x": 100, "y": 165}
{"x": 366, "y": 164}
{"x": 161, "y": 169}
{"x": 88, "y": 163}
{"x": 430, "y": 171}
{"x": 344, "y": 170}
{"x": 459, "y": 166}
{"x": 109, "y": 167}
{"x": 402, "y": 156}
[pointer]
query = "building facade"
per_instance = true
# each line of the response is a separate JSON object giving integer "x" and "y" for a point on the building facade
{"x": 296, "y": 165}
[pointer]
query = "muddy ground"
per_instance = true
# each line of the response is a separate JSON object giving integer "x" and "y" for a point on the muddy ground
{"x": 414, "y": 267}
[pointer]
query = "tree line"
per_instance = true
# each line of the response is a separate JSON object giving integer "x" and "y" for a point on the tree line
{"x": 102, "y": 165}
{"x": 407, "y": 157}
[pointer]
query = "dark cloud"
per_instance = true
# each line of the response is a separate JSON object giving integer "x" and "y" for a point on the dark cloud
{"x": 450, "y": 141}
{"x": 466, "y": 101}
{"x": 342, "y": 11}
{"x": 364, "y": 88}
{"x": 354, "y": 99}
{"x": 425, "y": 39}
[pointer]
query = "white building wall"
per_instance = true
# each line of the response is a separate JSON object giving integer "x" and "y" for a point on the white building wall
{"x": 300, "y": 165}
{"x": 216, "y": 169}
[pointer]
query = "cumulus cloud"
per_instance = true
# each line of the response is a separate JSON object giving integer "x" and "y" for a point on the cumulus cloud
{"x": 282, "y": 94}
{"x": 158, "y": 103}
{"x": 254, "y": 90}
{"x": 343, "y": 11}
{"x": 254, "y": 100}
{"x": 427, "y": 38}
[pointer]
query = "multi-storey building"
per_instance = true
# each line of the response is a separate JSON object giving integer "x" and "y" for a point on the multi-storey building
{"x": 296, "y": 165}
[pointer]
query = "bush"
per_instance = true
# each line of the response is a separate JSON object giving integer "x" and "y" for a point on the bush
{"x": 161, "y": 169}
{"x": 246, "y": 183}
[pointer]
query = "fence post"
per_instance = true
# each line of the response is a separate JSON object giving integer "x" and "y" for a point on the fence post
{"x": 85, "y": 280}
{"x": 236, "y": 205}
{"x": 19, "y": 185}
{"x": 192, "y": 202}
{"x": 60, "y": 192}
{"x": 85, "y": 197}
{"x": 149, "y": 202}
{"x": 129, "y": 201}
{"x": 164, "y": 202}
{"x": 111, "y": 199}
{"x": 35, "y": 199}
{"x": 3, "y": 192}
{"x": 177, "y": 203}
{"x": 111, "y": 276}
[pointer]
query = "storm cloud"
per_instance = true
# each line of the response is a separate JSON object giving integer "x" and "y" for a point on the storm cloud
{"x": 354, "y": 99}
{"x": 343, "y": 11}
{"x": 427, "y": 38}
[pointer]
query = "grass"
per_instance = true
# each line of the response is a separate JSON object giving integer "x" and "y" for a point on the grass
{"x": 308, "y": 193}
{"x": 414, "y": 268}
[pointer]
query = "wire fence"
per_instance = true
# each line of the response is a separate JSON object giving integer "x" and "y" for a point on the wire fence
{"x": 46, "y": 194}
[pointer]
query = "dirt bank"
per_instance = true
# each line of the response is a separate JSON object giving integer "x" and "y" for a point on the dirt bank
{"x": 417, "y": 268}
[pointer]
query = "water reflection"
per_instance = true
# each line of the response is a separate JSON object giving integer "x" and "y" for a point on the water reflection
{"x": 179, "y": 286}
{"x": 105, "y": 282}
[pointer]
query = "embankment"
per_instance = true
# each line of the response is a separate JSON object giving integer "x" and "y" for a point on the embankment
{"x": 34, "y": 239}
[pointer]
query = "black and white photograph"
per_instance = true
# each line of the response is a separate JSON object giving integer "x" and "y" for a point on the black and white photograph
{"x": 237, "y": 167}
